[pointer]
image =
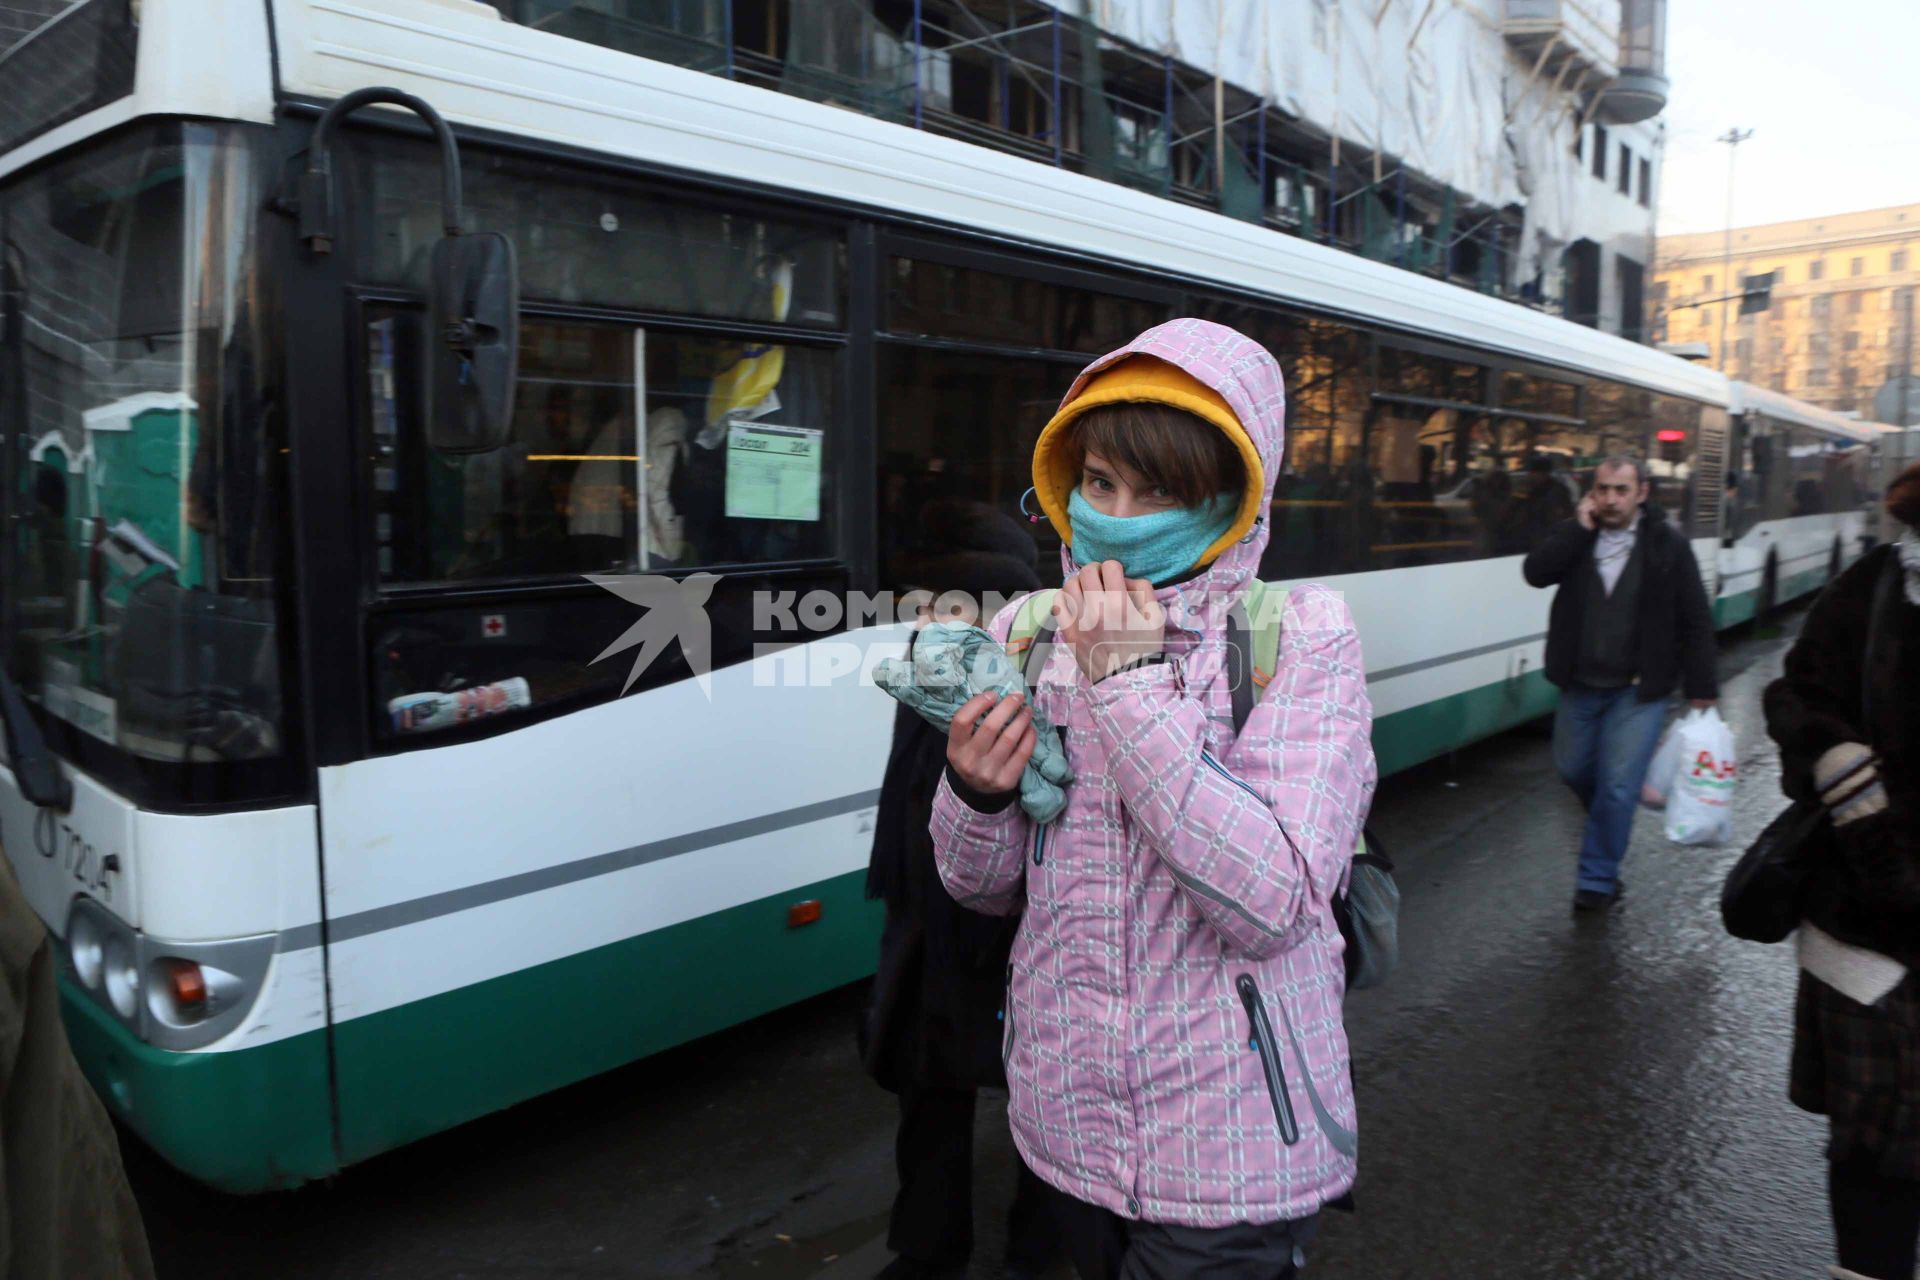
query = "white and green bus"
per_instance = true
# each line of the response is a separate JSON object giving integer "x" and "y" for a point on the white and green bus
{"x": 1799, "y": 499}
{"x": 246, "y": 543}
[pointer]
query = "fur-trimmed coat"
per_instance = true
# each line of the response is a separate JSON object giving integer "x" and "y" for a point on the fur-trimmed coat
{"x": 1865, "y": 888}
{"x": 1858, "y": 1064}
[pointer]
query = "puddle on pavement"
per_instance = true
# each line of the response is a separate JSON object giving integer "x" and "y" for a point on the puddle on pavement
{"x": 795, "y": 1258}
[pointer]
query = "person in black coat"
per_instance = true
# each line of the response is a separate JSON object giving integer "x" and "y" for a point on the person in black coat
{"x": 1629, "y": 625}
{"x": 932, "y": 1029}
{"x": 1846, "y": 715}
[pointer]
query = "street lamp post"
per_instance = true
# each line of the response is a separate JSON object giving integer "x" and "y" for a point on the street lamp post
{"x": 1733, "y": 138}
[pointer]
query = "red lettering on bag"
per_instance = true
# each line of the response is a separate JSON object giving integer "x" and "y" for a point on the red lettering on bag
{"x": 1705, "y": 766}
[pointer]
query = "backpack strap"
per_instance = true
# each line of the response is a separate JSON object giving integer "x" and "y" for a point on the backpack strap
{"x": 1253, "y": 647}
{"x": 1031, "y": 634}
{"x": 1239, "y": 660}
{"x": 1265, "y": 604}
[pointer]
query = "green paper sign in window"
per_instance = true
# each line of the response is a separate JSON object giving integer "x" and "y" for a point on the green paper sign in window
{"x": 773, "y": 473}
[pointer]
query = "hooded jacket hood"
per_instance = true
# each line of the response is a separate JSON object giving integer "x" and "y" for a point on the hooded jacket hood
{"x": 1215, "y": 373}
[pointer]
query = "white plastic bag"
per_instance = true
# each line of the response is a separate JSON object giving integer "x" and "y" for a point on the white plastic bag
{"x": 1700, "y": 803}
{"x": 1662, "y": 772}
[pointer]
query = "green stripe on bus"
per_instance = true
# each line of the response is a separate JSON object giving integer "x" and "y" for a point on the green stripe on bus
{"x": 414, "y": 1070}
{"x": 410, "y": 1071}
{"x": 248, "y": 1120}
{"x": 1731, "y": 611}
{"x": 1403, "y": 739}
{"x": 255, "y": 1119}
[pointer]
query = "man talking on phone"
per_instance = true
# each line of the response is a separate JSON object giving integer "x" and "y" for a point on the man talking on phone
{"x": 1630, "y": 625}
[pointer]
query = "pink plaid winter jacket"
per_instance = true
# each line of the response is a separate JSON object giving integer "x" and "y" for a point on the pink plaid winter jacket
{"x": 1185, "y": 891}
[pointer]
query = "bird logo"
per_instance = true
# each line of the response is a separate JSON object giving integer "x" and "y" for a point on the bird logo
{"x": 675, "y": 610}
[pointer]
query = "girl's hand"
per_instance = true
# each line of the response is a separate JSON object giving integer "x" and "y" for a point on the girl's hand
{"x": 989, "y": 753}
{"x": 1109, "y": 619}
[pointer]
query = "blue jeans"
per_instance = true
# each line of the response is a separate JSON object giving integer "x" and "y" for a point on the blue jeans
{"x": 1603, "y": 741}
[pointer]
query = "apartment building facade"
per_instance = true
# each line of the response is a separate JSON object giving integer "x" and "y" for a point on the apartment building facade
{"x": 1841, "y": 321}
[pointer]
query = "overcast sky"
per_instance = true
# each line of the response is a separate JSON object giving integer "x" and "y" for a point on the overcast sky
{"x": 1829, "y": 90}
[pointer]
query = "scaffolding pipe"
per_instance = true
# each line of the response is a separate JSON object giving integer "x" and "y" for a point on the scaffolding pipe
{"x": 1059, "y": 153}
{"x": 1260, "y": 162}
{"x": 1399, "y": 215}
{"x": 1220, "y": 136}
{"x": 918, "y": 105}
{"x": 991, "y": 37}
{"x": 1166, "y": 69}
{"x": 1333, "y": 191}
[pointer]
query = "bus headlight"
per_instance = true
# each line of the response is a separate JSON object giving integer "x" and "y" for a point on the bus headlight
{"x": 122, "y": 975}
{"x": 173, "y": 994}
{"x": 84, "y": 947}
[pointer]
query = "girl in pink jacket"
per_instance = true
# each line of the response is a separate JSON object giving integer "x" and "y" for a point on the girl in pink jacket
{"x": 1174, "y": 1048}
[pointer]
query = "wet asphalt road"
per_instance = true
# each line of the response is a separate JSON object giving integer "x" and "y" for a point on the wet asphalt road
{"x": 1540, "y": 1096}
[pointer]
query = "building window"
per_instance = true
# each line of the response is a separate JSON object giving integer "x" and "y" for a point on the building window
{"x": 1857, "y": 267}
{"x": 1631, "y": 279}
{"x": 1600, "y": 152}
{"x": 1580, "y": 143}
{"x": 1623, "y": 180}
{"x": 1646, "y": 184}
{"x": 1854, "y": 301}
{"x": 1817, "y": 269}
{"x": 1897, "y": 260}
{"x": 1850, "y": 342}
{"x": 1706, "y": 284}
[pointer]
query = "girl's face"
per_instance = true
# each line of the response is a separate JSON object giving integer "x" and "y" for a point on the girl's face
{"x": 1119, "y": 491}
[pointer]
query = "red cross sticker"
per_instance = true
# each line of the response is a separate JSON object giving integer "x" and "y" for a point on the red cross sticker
{"x": 493, "y": 625}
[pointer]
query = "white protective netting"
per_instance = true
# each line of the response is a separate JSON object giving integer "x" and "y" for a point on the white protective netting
{"x": 1433, "y": 84}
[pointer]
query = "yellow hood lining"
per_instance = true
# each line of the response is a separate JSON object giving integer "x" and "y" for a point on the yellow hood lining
{"x": 1056, "y": 469}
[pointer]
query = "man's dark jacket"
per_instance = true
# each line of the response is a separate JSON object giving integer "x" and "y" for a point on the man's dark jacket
{"x": 1675, "y": 631}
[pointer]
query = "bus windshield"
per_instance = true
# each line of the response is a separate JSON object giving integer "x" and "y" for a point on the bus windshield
{"x": 62, "y": 67}
{"x": 142, "y": 448}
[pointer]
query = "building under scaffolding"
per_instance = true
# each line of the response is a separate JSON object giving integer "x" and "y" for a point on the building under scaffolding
{"x": 1510, "y": 146}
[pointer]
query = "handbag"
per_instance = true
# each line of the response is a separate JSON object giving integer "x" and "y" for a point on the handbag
{"x": 1761, "y": 899}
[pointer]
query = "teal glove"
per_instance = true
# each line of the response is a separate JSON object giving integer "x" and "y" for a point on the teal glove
{"x": 951, "y": 663}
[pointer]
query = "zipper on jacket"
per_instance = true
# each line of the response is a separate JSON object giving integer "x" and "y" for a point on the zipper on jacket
{"x": 1039, "y": 844}
{"x": 1263, "y": 1044}
{"x": 1006, "y": 1016}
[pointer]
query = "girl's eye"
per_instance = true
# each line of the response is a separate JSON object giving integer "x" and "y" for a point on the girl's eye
{"x": 1100, "y": 485}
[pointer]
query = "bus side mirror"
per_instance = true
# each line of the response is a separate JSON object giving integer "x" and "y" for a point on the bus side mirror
{"x": 473, "y": 343}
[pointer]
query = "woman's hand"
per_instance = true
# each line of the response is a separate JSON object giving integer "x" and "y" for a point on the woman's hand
{"x": 1109, "y": 619}
{"x": 989, "y": 753}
